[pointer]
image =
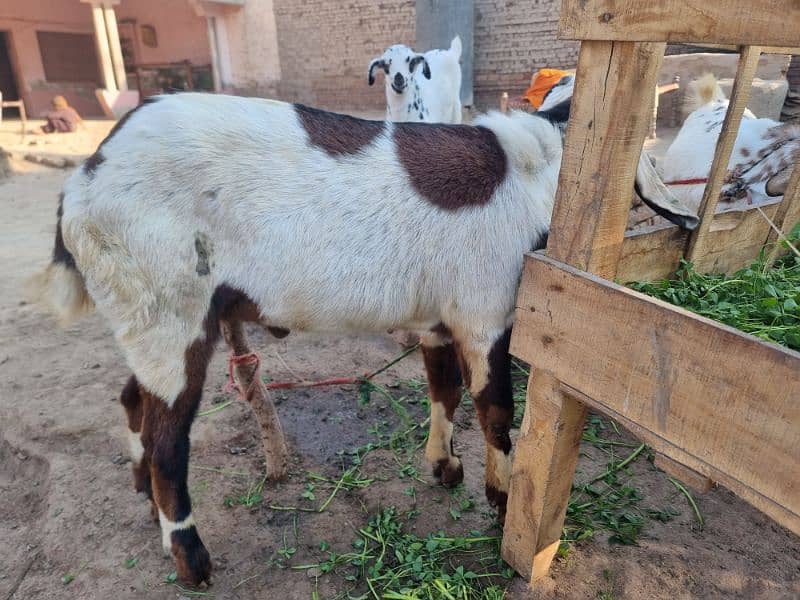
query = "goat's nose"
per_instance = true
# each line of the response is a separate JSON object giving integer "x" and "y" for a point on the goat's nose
{"x": 399, "y": 82}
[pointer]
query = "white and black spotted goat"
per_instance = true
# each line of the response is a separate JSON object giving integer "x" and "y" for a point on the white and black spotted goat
{"x": 421, "y": 87}
{"x": 762, "y": 158}
{"x": 299, "y": 219}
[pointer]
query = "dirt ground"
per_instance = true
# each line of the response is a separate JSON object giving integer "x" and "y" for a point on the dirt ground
{"x": 68, "y": 506}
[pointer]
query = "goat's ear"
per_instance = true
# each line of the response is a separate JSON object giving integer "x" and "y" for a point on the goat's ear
{"x": 426, "y": 70}
{"x": 657, "y": 196}
{"x": 776, "y": 185}
{"x": 376, "y": 62}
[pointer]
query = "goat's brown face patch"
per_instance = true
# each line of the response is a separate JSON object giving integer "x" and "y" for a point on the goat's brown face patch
{"x": 451, "y": 166}
{"x": 337, "y": 134}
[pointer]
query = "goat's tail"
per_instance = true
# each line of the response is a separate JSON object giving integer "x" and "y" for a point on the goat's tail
{"x": 60, "y": 286}
{"x": 703, "y": 90}
{"x": 455, "y": 46}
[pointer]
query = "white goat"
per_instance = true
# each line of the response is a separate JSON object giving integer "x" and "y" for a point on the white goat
{"x": 200, "y": 212}
{"x": 764, "y": 151}
{"x": 431, "y": 94}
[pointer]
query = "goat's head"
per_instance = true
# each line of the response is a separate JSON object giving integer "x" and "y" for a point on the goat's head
{"x": 399, "y": 63}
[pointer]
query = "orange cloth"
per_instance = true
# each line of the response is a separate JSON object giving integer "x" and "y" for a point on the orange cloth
{"x": 541, "y": 83}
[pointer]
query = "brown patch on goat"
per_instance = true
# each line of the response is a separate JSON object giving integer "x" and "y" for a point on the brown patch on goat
{"x": 131, "y": 400}
{"x": 451, "y": 166}
{"x": 337, "y": 134}
{"x": 745, "y": 152}
{"x": 444, "y": 384}
{"x": 495, "y": 408}
{"x": 444, "y": 376}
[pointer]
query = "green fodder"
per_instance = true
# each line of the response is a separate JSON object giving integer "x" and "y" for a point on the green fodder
{"x": 760, "y": 299}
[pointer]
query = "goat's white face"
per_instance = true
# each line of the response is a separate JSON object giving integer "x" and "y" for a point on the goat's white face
{"x": 399, "y": 63}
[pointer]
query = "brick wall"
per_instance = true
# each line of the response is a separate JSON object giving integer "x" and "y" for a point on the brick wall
{"x": 514, "y": 38}
{"x": 326, "y": 45}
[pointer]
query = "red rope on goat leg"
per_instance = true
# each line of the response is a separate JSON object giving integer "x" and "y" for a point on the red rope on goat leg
{"x": 241, "y": 359}
{"x": 289, "y": 385}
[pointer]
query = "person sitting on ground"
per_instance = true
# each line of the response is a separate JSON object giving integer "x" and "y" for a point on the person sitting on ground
{"x": 63, "y": 118}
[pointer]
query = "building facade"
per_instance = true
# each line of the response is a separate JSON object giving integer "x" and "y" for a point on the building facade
{"x": 104, "y": 53}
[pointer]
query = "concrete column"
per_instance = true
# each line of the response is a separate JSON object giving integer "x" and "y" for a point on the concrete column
{"x": 220, "y": 50}
{"x": 115, "y": 48}
{"x": 212, "y": 42}
{"x": 103, "y": 52}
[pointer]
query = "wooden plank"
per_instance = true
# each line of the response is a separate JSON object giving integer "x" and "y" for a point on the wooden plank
{"x": 769, "y": 23}
{"x": 735, "y": 239}
{"x": 651, "y": 253}
{"x": 601, "y": 151}
{"x": 532, "y": 536}
{"x": 697, "y": 481}
{"x": 726, "y": 399}
{"x": 591, "y": 211}
{"x": 780, "y": 514}
{"x": 764, "y": 50}
{"x": 740, "y": 94}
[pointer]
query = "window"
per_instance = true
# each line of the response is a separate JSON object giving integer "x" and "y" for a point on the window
{"x": 68, "y": 57}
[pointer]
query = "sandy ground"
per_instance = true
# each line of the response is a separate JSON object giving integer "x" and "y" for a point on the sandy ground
{"x": 68, "y": 506}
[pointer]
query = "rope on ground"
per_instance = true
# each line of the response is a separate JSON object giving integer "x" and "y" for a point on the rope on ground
{"x": 253, "y": 359}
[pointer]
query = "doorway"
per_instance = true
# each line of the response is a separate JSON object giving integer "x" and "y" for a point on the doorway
{"x": 8, "y": 82}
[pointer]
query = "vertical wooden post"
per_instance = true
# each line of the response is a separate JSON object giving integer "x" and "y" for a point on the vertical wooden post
{"x": 545, "y": 459}
{"x": 740, "y": 94}
{"x": 608, "y": 125}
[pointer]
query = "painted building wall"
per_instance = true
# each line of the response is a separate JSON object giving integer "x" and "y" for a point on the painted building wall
{"x": 22, "y": 20}
{"x": 180, "y": 32}
{"x": 181, "y": 35}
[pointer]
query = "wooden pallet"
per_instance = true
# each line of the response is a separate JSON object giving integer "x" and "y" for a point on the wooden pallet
{"x": 714, "y": 403}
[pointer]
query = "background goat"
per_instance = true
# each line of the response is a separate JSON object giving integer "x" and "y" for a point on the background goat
{"x": 765, "y": 150}
{"x": 421, "y": 87}
{"x": 311, "y": 221}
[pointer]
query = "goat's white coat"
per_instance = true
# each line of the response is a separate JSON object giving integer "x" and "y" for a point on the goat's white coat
{"x": 321, "y": 243}
{"x": 692, "y": 151}
{"x": 434, "y": 100}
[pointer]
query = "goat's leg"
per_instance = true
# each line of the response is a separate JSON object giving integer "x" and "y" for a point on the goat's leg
{"x": 444, "y": 383}
{"x": 487, "y": 366}
{"x": 131, "y": 400}
{"x": 165, "y": 436}
{"x": 256, "y": 394}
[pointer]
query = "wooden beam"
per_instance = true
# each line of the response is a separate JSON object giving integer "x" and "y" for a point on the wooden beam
{"x": 697, "y": 481}
{"x": 593, "y": 199}
{"x": 651, "y": 253}
{"x": 541, "y": 480}
{"x": 777, "y": 512}
{"x": 601, "y": 151}
{"x": 740, "y": 94}
{"x": 725, "y": 399}
{"x": 734, "y": 240}
{"x": 769, "y": 23}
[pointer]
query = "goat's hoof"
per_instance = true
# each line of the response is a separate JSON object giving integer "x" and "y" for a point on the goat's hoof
{"x": 449, "y": 471}
{"x": 192, "y": 561}
{"x": 497, "y": 499}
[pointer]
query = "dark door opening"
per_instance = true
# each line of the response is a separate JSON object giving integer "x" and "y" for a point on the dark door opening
{"x": 8, "y": 83}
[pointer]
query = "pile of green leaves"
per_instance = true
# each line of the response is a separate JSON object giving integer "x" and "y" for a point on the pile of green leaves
{"x": 760, "y": 299}
{"x": 402, "y": 566}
